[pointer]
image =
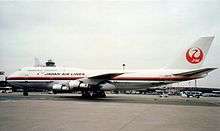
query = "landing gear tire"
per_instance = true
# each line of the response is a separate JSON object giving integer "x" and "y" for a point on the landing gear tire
{"x": 86, "y": 94}
{"x": 25, "y": 93}
{"x": 94, "y": 94}
{"x": 100, "y": 94}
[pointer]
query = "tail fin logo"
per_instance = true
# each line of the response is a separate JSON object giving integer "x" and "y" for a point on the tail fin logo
{"x": 194, "y": 55}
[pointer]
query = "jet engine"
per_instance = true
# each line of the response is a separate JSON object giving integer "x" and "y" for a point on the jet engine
{"x": 107, "y": 87}
{"x": 58, "y": 88}
{"x": 78, "y": 84}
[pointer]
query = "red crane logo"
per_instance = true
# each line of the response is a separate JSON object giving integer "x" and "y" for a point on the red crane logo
{"x": 194, "y": 55}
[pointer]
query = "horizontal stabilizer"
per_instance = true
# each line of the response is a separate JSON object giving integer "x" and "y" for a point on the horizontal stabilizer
{"x": 196, "y": 72}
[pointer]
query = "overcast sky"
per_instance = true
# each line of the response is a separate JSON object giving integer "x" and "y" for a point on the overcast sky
{"x": 105, "y": 34}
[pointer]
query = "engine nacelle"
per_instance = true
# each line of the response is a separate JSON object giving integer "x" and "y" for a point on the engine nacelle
{"x": 107, "y": 87}
{"x": 83, "y": 85}
{"x": 58, "y": 88}
{"x": 77, "y": 84}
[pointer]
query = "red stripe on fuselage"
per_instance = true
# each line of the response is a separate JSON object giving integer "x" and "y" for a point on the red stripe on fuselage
{"x": 115, "y": 78}
{"x": 43, "y": 78}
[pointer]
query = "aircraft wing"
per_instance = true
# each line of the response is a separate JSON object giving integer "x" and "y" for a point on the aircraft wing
{"x": 196, "y": 72}
{"x": 106, "y": 76}
{"x": 96, "y": 79}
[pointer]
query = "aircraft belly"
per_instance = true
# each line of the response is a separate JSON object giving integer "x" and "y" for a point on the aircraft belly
{"x": 31, "y": 84}
{"x": 132, "y": 85}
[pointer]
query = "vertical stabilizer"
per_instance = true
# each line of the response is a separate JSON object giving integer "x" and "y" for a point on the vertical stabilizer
{"x": 194, "y": 56}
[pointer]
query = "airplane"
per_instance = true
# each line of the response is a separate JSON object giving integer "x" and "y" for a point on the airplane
{"x": 94, "y": 83}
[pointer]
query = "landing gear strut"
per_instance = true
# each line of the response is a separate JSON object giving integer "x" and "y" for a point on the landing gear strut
{"x": 25, "y": 92}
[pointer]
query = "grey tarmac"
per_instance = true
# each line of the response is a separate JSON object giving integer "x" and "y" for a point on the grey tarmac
{"x": 70, "y": 112}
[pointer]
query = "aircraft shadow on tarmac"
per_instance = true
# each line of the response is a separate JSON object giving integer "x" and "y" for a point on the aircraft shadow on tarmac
{"x": 115, "y": 99}
{"x": 127, "y": 99}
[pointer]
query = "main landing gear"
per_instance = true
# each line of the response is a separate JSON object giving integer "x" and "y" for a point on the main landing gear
{"x": 93, "y": 94}
{"x": 25, "y": 91}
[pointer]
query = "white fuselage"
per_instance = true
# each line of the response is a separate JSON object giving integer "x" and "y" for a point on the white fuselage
{"x": 39, "y": 77}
